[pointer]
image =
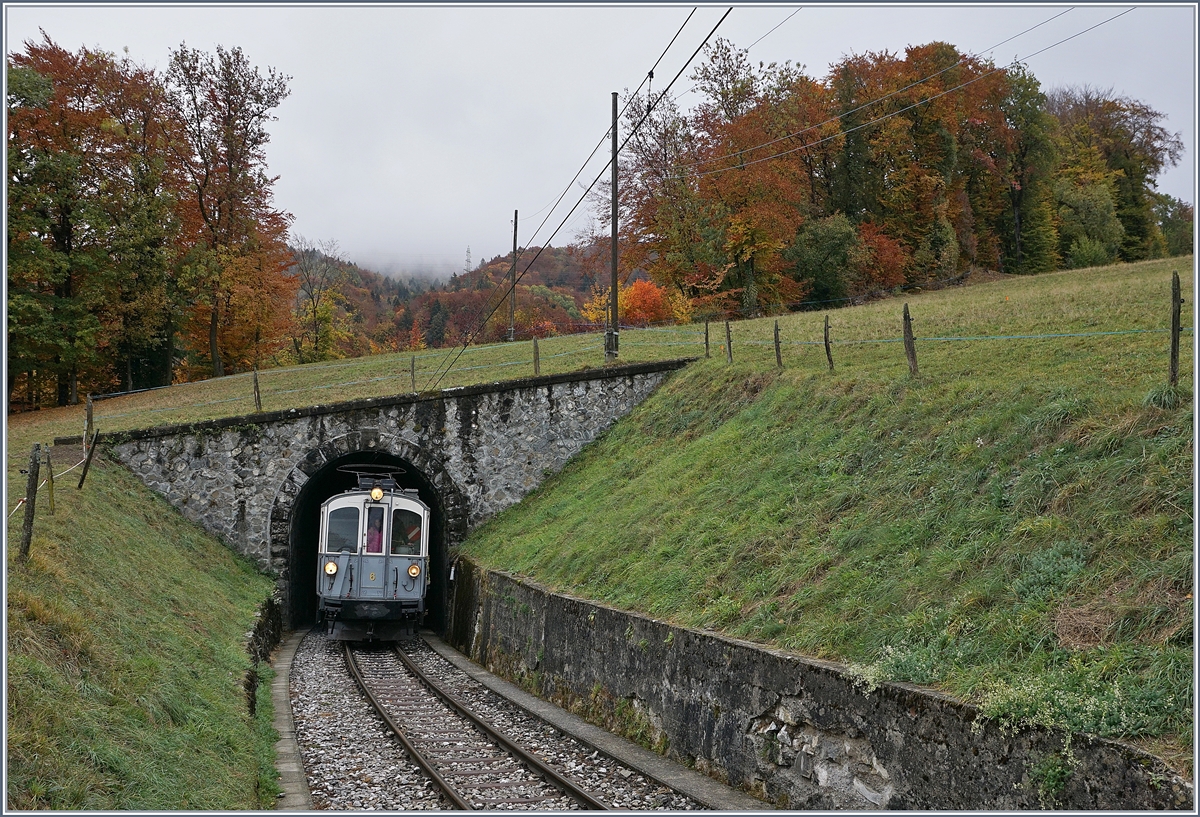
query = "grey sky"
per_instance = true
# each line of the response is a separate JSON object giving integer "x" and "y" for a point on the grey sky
{"x": 413, "y": 132}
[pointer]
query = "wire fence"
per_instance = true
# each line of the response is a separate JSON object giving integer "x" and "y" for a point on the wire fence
{"x": 690, "y": 340}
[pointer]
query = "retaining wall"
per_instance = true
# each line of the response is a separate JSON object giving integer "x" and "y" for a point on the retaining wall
{"x": 796, "y": 732}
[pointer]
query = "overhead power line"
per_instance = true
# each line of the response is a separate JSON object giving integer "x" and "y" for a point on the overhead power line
{"x": 474, "y": 333}
{"x": 566, "y": 190}
{"x": 607, "y": 132}
{"x": 874, "y": 101}
{"x": 878, "y": 119}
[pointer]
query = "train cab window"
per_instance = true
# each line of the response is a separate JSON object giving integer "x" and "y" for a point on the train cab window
{"x": 406, "y": 533}
{"x": 343, "y": 531}
{"x": 375, "y": 530}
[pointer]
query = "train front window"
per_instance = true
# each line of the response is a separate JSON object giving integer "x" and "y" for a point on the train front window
{"x": 343, "y": 531}
{"x": 375, "y": 530}
{"x": 406, "y": 533}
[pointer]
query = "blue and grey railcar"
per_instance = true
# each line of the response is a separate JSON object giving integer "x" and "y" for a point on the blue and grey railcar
{"x": 373, "y": 561}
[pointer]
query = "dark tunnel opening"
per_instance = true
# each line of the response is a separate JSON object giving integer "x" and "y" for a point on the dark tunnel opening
{"x": 305, "y": 526}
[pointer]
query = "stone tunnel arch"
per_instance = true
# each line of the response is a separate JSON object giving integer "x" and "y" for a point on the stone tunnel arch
{"x": 296, "y": 507}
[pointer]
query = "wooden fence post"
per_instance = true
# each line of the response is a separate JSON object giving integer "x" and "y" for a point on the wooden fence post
{"x": 910, "y": 346}
{"x": 1176, "y": 303}
{"x": 537, "y": 363}
{"x": 35, "y": 462}
{"x": 49, "y": 483}
{"x": 828, "y": 350}
{"x": 257, "y": 394}
{"x": 728, "y": 343}
{"x": 412, "y": 370}
{"x": 706, "y": 337}
{"x": 87, "y": 463}
{"x": 778, "y": 354}
{"x": 87, "y": 423}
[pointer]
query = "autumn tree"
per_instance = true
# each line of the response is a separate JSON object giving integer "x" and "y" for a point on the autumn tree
{"x": 1130, "y": 138}
{"x": 1176, "y": 219}
{"x": 318, "y": 270}
{"x": 92, "y": 224}
{"x": 225, "y": 104}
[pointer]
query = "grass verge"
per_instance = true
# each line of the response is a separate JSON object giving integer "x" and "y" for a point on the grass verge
{"x": 125, "y": 657}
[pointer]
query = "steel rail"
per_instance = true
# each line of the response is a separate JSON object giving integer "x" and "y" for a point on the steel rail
{"x": 564, "y": 784}
{"x": 418, "y": 757}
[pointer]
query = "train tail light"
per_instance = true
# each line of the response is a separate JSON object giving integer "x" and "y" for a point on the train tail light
{"x": 414, "y": 570}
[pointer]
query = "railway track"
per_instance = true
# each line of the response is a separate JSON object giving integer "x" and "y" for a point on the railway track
{"x": 474, "y": 765}
{"x": 353, "y": 760}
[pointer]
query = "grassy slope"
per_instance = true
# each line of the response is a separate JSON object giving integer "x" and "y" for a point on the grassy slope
{"x": 125, "y": 657}
{"x": 917, "y": 500}
{"x": 1013, "y": 526}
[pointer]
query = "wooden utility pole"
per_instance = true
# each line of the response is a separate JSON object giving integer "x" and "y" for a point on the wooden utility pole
{"x": 1176, "y": 303}
{"x": 512, "y": 292}
{"x": 610, "y": 337}
{"x": 35, "y": 462}
{"x": 828, "y": 350}
{"x": 910, "y": 345}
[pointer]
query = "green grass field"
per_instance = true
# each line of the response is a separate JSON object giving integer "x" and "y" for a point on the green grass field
{"x": 1014, "y": 526}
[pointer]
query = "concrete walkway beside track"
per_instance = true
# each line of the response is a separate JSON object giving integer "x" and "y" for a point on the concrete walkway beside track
{"x": 687, "y": 781}
{"x": 296, "y": 796}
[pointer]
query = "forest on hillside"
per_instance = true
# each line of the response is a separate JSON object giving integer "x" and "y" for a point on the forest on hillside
{"x": 145, "y": 246}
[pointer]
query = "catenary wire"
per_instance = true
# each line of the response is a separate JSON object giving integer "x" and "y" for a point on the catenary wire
{"x": 582, "y": 198}
{"x": 567, "y": 189}
{"x": 900, "y": 111}
{"x": 865, "y": 105}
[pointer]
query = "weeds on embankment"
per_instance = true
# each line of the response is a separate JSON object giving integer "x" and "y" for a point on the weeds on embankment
{"x": 1013, "y": 526}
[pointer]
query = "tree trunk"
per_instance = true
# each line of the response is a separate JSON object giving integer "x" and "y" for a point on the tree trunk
{"x": 64, "y": 389}
{"x": 213, "y": 351}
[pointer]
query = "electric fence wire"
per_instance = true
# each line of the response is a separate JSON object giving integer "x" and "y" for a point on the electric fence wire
{"x": 529, "y": 242}
{"x": 744, "y": 164}
{"x": 585, "y": 194}
{"x": 866, "y": 105}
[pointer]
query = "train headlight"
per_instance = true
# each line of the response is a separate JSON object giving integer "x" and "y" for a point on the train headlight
{"x": 330, "y": 568}
{"x": 376, "y": 494}
{"x": 414, "y": 570}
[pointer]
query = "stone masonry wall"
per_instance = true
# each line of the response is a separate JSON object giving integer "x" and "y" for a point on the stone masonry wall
{"x": 482, "y": 447}
{"x": 796, "y": 732}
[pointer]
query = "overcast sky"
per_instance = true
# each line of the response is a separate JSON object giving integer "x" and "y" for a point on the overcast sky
{"x": 413, "y": 132}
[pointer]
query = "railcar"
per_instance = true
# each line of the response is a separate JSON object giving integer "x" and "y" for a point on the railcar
{"x": 373, "y": 560}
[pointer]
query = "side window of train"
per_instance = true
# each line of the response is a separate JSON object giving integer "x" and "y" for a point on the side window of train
{"x": 406, "y": 533}
{"x": 375, "y": 530}
{"x": 343, "y": 530}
